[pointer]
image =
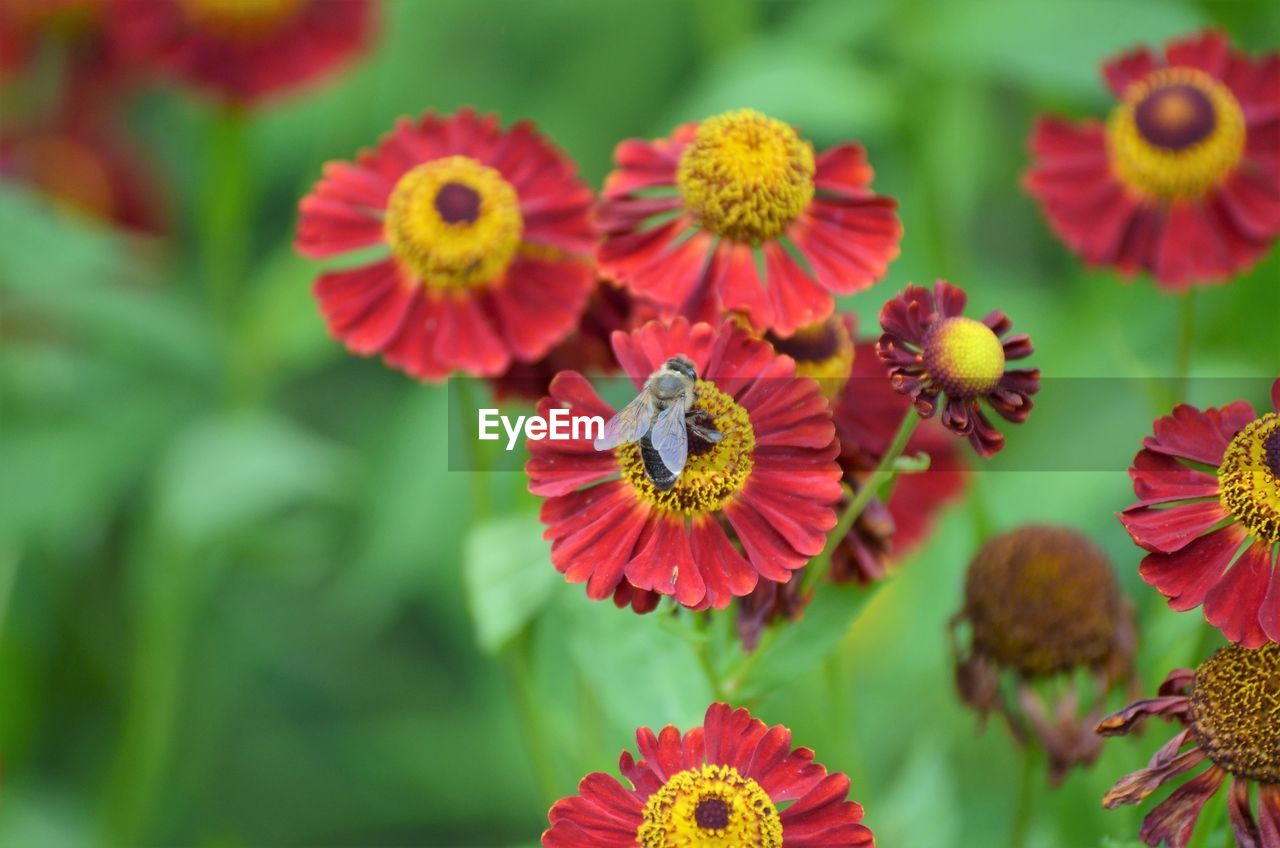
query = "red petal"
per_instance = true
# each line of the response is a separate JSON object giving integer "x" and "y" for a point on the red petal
{"x": 1166, "y": 529}
{"x": 1186, "y": 576}
{"x": 728, "y": 575}
{"x": 1128, "y": 68}
{"x": 1235, "y": 603}
{"x": 843, "y": 170}
{"x": 1158, "y": 478}
{"x": 1199, "y": 435}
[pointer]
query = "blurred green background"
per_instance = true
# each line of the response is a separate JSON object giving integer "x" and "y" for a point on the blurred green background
{"x": 234, "y": 570}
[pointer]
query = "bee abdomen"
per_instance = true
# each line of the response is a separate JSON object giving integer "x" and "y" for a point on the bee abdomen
{"x": 654, "y": 468}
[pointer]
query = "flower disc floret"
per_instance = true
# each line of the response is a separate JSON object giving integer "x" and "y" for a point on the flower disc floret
{"x": 710, "y": 807}
{"x": 1235, "y": 711}
{"x": 1250, "y": 478}
{"x": 746, "y": 176}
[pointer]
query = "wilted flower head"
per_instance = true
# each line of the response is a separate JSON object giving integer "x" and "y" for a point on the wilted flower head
{"x": 486, "y": 239}
{"x": 1209, "y": 484}
{"x": 932, "y": 349}
{"x": 731, "y": 783}
{"x": 684, "y": 216}
{"x": 1041, "y": 603}
{"x": 1183, "y": 180}
{"x": 1229, "y": 708}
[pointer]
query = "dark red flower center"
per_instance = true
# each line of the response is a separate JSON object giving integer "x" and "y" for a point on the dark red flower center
{"x": 712, "y": 814}
{"x": 458, "y": 203}
{"x": 1175, "y": 117}
{"x": 1271, "y": 447}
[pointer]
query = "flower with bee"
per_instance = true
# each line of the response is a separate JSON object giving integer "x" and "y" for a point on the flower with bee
{"x": 721, "y": 473}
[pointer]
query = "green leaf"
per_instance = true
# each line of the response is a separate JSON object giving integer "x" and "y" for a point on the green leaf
{"x": 225, "y": 473}
{"x": 801, "y": 646}
{"x": 508, "y": 575}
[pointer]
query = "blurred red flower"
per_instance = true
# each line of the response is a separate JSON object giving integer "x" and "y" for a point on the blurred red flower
{"x": 489, "y": 239}
{"x": 242, "y": 50}
{"x": 1183, "y": 180}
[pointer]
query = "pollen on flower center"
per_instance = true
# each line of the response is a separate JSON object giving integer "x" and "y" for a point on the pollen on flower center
{"x": 964, "y": 356}
{"x": 1235, "y": 711}
{"x": 746, "y": 176}
{"x": 241, "y": 19}
{"x": 454, "y": 222}
{"x": 713, "y": 473}
{"x": 1042, "y": 600}
{"x": 710, "y": 807}
{"x": 1176, "y": 134}
{"x": 1250, "y": 478}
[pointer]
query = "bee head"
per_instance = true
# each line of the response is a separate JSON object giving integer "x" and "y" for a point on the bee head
{"x": 683, "y": 365}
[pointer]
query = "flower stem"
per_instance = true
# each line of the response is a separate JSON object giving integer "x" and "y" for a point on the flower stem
{"x": 885, "y": 473}
{"x": 1186, "y": 340}
{"x": 1022, "y": 812}
{"x": 224, "y": 209}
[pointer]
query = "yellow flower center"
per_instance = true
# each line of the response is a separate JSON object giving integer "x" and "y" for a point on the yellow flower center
{"x": 455, "y": 222}
{"x": 1176, "y": 134}
{"x": 823, "y": 351}
{"x": 964, "y": 357}
{"x": 1235, "y": 711}
{"x": 710, "y": 807}
{"x": 746, "y": 176}
{"x": 241, "y": 19}
{"x": 1250, "y": 478}
{"x": 713, "y": 473}
{"x": 1042, "y": 600}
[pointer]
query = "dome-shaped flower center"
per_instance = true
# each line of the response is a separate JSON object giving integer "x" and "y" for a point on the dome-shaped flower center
{"x": 746, "y": 176}
{"x": 710, "y": 807}
{"x": 1042, "y": 600}
{"x": 714, "y": 472}
{"x": 241, "y": 19}
{"x": 1235, "y": 711}
{"x": 454, "y": 222}
{"x": 964, "y": 357}
{"x": 1176, "y": 134}
{"x": 1250, "y": 478}
{"x": 823, "y": 351}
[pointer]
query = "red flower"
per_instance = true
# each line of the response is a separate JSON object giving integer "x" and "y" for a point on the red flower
{"x": 770, "y": 481}
{"x": 1228, "y": 710}
{"x": 243, "y": 50}
{"x": 685, "y": 216}
{"x": 489, "y": 236}
{"x": 586, "y": 349}
{"x": 1184, "y": 179}
{"x": 1194, "y": 522}
{"x": 931, "y": 348}
{"x": 86, "y": 169}
{"x": 867, "y": 414}
{"x": 724, "y": 783}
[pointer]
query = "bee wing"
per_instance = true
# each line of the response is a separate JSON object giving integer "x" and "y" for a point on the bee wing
{"x": 671, "y": 438}
{"x": 628, "y": 425}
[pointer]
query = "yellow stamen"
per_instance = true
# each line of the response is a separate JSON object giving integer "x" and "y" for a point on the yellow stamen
{"x": 964, "y": 356}
{"x": 1176, "y": 134}
{"x": 746, "y": 176}
{"x": 455, "y": 222}
{"x": 713, "y": 473}
{"x": 1250, "y": 478}
{"x": 710, "y": 807}
{"x": 823, "y": 351}
{"x": 1235, "y": 711}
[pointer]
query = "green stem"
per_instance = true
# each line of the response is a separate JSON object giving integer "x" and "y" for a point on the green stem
{"x": 517, "y": 666}
{"x": 884, "y": 474}
{"x": 1026, "y": 791}
{"x": 1186, "y": 340}
{"x": 8, "y": 576}
{"x": 224, "y": 212}
{"x": 466, "y": 404}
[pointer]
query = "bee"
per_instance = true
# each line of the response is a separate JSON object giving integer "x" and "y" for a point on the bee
{"x": 660, "y": 418}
